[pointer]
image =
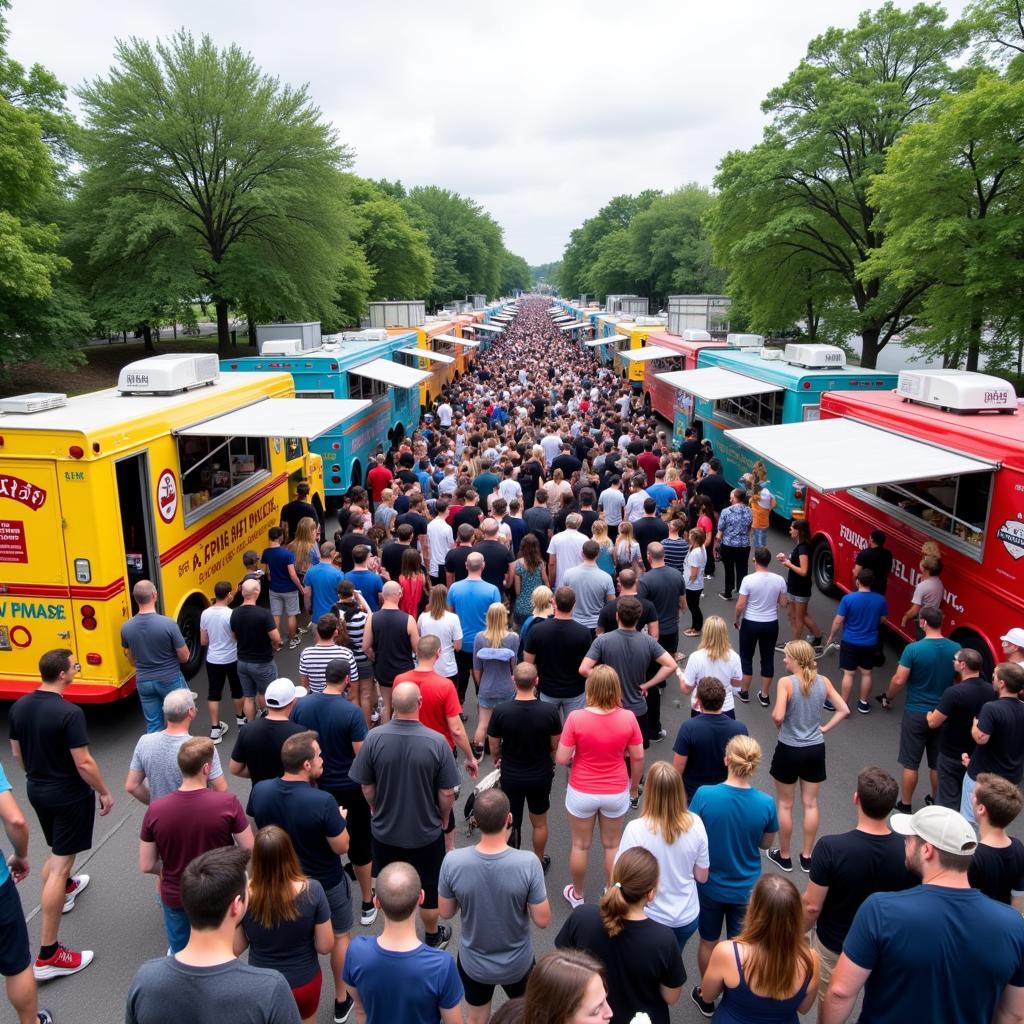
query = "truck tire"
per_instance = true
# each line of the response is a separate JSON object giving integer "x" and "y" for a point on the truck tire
{"x": 823, "y": 569}
{"x": 188, "y": 623}
{"x": 968, "y": 638}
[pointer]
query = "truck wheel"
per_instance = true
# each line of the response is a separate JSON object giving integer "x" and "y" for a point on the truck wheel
{"x": 968, "y": 638}
{"x": 823, "y": 569}
{"x": 188, "y": 623}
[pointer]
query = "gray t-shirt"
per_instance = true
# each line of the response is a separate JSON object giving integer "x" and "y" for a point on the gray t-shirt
{"x": 408, "y": 763}
{"x": 629, "y": 653}
{"x": 156, "y": 756}
{"x": 612, "y": 503}
{"x": 593, "y": 587}
{"x": 153, "y": 640}
{"x": 165, "y": 991}
{"x": 494, "y": 891}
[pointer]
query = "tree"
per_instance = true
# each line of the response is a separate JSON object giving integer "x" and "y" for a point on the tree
{"x": 546, "y": 274}
{"x": 515, "y": 273}
{"x": 999, "y": 31}
{"x": 204, "y": 157}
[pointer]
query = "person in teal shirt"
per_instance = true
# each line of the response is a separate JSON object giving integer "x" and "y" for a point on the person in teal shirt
{"x": 484, "y": 483}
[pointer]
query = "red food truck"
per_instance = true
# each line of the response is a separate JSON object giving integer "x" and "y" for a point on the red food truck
{"x": 658, "y": 395}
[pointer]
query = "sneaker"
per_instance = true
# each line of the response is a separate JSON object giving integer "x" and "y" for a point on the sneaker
{"x": 929, "y": 800}
{"x": 662, "y": 733}
{"x": 571, "y": 898}
{"x": 64, "y": 961}
{"x": 708, "y": 1009}
{"x": 217, "y": 732}
{"x": 816, "y": 641}
{"x": 478, "y": 750}
{"x": 827, "y": 649}
{"x": 828, "y": 705}
{"x": 864, "y": 707}
{"x": 775, "y": 856}
{"x": 75, "y": 887}
{"x": 634, "y": 802}
{"x": 342, "y": 1011}
{"x": 902, "y": 808}
{"x": 744, "y": 695}
{"x": 780, "y": 647}
{"x": 708, "y": 577}
{"x": 45, "y": 1017}
{"x": 240, "y": 720}
{"x": 545, "y": 864}
{"x": 294, "y": 642}
{"x": 375, "y": 717}
{"x": 302, "y": 629}
{"x": 763, "y": 699}
{"x": 367, "y": 914}
{"x": 725, "y": 597}
{"x": 805, "y": 864}
{"x": 444, "y": 936}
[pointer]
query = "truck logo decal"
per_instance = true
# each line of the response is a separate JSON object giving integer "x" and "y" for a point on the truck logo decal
{"x": 167, "y": 496}
{"x": 21, "y": 490}
{"x": 1011, "y": 533}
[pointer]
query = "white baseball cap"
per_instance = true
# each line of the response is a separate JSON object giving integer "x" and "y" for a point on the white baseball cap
{"x": 1014, "y": 636}
{"x": 281, "y": 692}
{"x": 942, "y": 827}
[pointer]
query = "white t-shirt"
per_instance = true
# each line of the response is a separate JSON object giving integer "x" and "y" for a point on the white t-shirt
{"x": 611, "y": 502}
{"x": 447, "y": 629}
{"x": 510, "y": 489}
{"x": 216, "y": 620}
{"x": 696, "y": 558}
{"x": 635, "y": 505}
{"x": 567, "y": 547}
{"x": 552, "y": 445}
{"x": 675, "y": 903}
{"x": 728, "y": 672}
{"x": 762, "y": 590}
{"x": 441, "y": 540}
{"x": 444, "y": 414}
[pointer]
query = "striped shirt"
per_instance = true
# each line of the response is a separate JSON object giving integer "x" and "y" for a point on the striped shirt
{"x": 675, "y": 552}
{"x": 314, "y": 660}
{"x": 355, "y": 622}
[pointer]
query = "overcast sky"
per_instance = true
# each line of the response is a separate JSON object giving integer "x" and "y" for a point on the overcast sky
{"x": 540, "y": 110}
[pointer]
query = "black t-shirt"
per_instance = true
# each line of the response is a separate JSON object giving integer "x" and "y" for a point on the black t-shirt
{"x": 646, "y": 530}
{"x": 559, "y": 647}
{"x": 497, "y": 559}
{"x": 853, "y": 865}
{"x": 258, "y": 746}
{"x": 689, "y": 451}
{"x": 252, "y": 626}
{"x": 455, "y": 562}
{"x": 294, "y": 512}
{"x": 529, "y": 475}
{"x": 606, "y": 620}
{"x": 391, "y": 557}
{"x": 715, "y": 487}
{"x": 879, "y": 561}
{"x": 415, "y": 520}
{"x": 702, "y": 741}
{"x": 797, "y": 585}
{"x": 348, "y": 544}
{"x": 998, "y": 871}
{"x": 567, "y": 463}
{"x": 662, "y": 587}
{"x": 48, "y": 728}
{"x": 525, "y": 728}
{"x": 960, "y": 704}
{"x": 538, "y": 521}
{"x": 469, "y": 514}
{"x": 640, "y": 959}
{"x": 590, "y": 516}
{"x": 1003, "y": 721}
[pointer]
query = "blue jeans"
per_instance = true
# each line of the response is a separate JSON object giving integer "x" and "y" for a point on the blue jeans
{"x": 152, "y": 694}
{"x": 683, "y": 933}
{"x": 760, "y": 537}
{"x": 965, "y": 799}
{"x": 177, "y": 927}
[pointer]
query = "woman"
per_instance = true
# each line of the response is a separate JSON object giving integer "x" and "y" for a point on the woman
{"x": 594, "y": 741}
{"x": 676, "y": 546}
{"x": 693, "y": 574}
{"x": 644, "y": 970}
{"x": 606, "y": 556}
{"x": 494, "y": 659}
{"x": 304, "y": 547}
{"x": 676, "y": 482}
{"x": 768, "y": 974}
{"x": 353, "y": 610}
{"x": 531, "y": 472}
{"x": 706, "y": 521}
{"x": 713, "y": 657}
{"x": 530, "y": 573}
{"x": 559, "y": 489}
{"x": 733, "y": 540}
{"x": 414, "y": 583}
{"x": 679, "y": 842}
{"x": 627, "y": 550}
{"x": 543, "y": 607}
{"x": 798, "y": 582}
{"x": 288, "y": 920}
{"x": 800, "y": 752}
{"x": 438, "y": 620}
{"x": 565, "y": 987}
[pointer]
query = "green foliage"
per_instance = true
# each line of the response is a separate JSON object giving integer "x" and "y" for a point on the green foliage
{"x": 546, "y": 274}
{"x": 515, "y": 274}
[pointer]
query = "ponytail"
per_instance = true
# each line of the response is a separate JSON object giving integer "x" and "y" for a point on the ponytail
{"x": 635, "y": 874}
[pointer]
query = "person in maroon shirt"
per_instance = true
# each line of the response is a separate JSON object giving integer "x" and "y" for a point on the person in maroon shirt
{"x": 649, "y": 462}
{"x": 378, "y": 478}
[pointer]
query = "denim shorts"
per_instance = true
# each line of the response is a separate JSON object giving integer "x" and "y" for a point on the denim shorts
{"x": 712, "y": 914}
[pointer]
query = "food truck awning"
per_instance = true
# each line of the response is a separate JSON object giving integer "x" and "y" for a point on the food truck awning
{"x": 279, "y": 417}
{"x": 452, "y": 340}
{"x": 574, "y": 326}
{"x": 712, "y": 383}
{"x": 836, "y": 454}
{"x": 489, "y": 327}
{"x": 642, "y": 355}
{"x": 426, "y": 353}
{"x": 610, "y": 340}
{"x": 563, "y": 318}
{"x": 395, "y": 374}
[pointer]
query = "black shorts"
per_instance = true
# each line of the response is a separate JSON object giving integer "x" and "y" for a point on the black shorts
{"x": 425, "y": 859}
{"x": 15, "y": 954}
{"x": 535, "y": 795}
{"x": 217, "y": 674}
{"x": 854, "y": 656}
{"x": 917, "y": 739}
{"x": 67, "y": 827}
{"x": 669, "y": 642}
{"x": 357, "y": 824}
{"x": 790, "y": 764}
{"x": 641, "y": 720}
{"x": 480, "y": 993}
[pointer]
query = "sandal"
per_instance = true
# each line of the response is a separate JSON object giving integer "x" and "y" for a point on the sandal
{"x": 691, "y": 632}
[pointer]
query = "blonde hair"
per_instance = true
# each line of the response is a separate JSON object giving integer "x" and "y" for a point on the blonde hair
{"x": 714, "y": 638}
{"x": 497, "y": 625}
{"x": 603, "y": 688}
{"x": 665, "y": 802}
{"x": 599, "y": 532}
{"x": 541, "y": 599}
{"x": 807, "y": 665}
{"x": 304, "y": 543}
{"x": 625, "y": 536}
{"x": 671, "y": 473}
{"x": 743, "y": 755}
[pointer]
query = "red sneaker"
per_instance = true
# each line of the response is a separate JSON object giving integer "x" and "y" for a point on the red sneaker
{"x": 75, "y": 887}
{"x": 64, "y": 961}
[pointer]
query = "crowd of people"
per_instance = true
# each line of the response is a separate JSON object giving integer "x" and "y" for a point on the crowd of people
{"x": 539, "y": 537}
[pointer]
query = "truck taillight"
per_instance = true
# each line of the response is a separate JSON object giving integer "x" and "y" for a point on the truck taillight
{"x": 88, "y": 614}
{"x": 94, "y": 659}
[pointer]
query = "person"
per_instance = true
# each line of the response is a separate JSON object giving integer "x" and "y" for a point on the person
{"x": 593, "y": 742}
{"x": 285, "y": 585}
{"x": 221, "y": 657}
{"x": 485, "y": 482}
{"x": 1012, "y": 644}
{"x": 566, "y": 549}
{"x": 253, "y": 571}
{"x": 498, "y": 559}
{"x": 849, "y": 867}
{"x": 565, "y": 987}
{"x": 997, "y": 867}
{"x": 257, "y": 638}
{"x": 414, "y": 583}
{"x": 154, "y": 646}
{"x": 943, "y": 923}
{"x": 539, "y": 520}
{"x": 627, "y": 550}
{"x": 316, "y": 825}
{"x": 295, "y": 511}
{"x": 469, "y": 599}
{"x": 677, "y": 839}
{"x": 640, "y": 955}
{"x": 768, "y": 973}
{"x": 557, "y": 647}
{"x": 733, "y": 540}
{"x": 542, "y": 606}
{"x": 798, "y": 582}
{"x": 363, "y": 578}
{"x": 320, "y": 584}
{"x": 694, "y": 564}
{"x": 393, "y": 552}
{"x": 495, "y": 649}
{"x": 305, "y": 547}
{"x": 378, "y": 478}
{"x": 878, "y": 558}
{"x": 287, "y": 922}
{"x": 180, "y": 826}
{"x": 954, "y": 715}
{"x": 497, "y": 892}
{"x": 860, "y": 616}
{"x": 605, "y": 546}
{"x": 441, "y": 540}
{"x": 50, "y": 742}
{"x": 706, "y": 519}
{"x": 356, "y": 535}
{"x": 529, "y": 574}
{"x": 591, "y": 585}
{"x": 928, "y": 593}
{"x": 800, "y": 751}
{"x": 761, "y": 504}
{"x": 455, "y": 560}
{"x": 612, "y": 504}
{"x": 389, "y": 640}
{"x": 698, "y": 754}
{"x": 926, "y": 669}
{"x": 740, "y": 822}
{"x": 394, "y": 976}
{"x": 438, "y": 621}
{"x": 650, "y": 527}
{"x": 353, "y": 610}
{"x": 761, "y": 595}
{"x": 409, "y": 777}
{"x": 714, "y": 657}
{"x": 154, "y": 770}
{"x": 648, "y": 622}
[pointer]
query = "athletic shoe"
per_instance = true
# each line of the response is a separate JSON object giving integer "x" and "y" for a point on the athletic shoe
{"x": 444, "y": 936}
{"x": 780, "y": 647}
{"x": 708, "y": 1009}
{"x": 902, "y": 808}
{"x": 75, "y": 887}
{"x": 805, "y": 863}
{"x": 929, "y": 800}
{"x": 828, "y": 705}
{"x": 64, "y": 961}
{"x": 240, "y": 720}
{"x": 763, "y": 699}
{"x": 816, "y": 640}
{"x": 217, "y": 732}
{"x": 827, "y": 649}
{"x": 744, "y": 695}
{"x": 864, "y": 707}
{"x": 293, "y": 643}
{"x": 45, "y": 1017}
{"x": 545, "y": 864}
{"x": 725, "y": 597}
{"x": 661, "y": 735}
{"x": 571, "y": 898}
{"x": 634, "y": 802}
{"x": 302, "y": 629}
{"x": 368, "y": 914}
{"x": 478, "y": 750}
{"x": 775, "y": 856}
{"x": 342, "y": 1011}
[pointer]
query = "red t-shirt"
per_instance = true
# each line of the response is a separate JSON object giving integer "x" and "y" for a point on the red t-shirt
{"x": 185, "y": 824}
{"x": 440, "y": 701}
{"x": 650, "y": 464}
{"x": 378, "y": 479}
{"x": 598, "y": 765}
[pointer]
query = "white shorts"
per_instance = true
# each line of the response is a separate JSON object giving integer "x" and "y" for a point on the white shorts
{"x": 586, "y": 805}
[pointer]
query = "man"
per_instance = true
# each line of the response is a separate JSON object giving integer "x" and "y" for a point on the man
{"x": 928, "y": 593}
{"x": 998, "y": 732}
{"x": 445, "y": 414}
{"x": 592, "y": 586}
{"x": 762, "y": 593}
{"x": 612, "y": 505}
{"x": 314, "y": 660}
{"x": 515, "y": 523}
{"x": 565, "y": 549}
{"x": 320, "y": 584}
{"x": 557, "y": 646}
{"x": 698, "y": 753}
{"x": 650, "y": 527}
{"x": 971, "y": 976}
{"x": 49, "y": 741}
{"x": 860, "y": 617}
{"x": 539, "y": 520}
{"x": 847, "y": 868}
{"x": 257, "y": 638}
{"x": 469, "y": 599}
{"x": 409, "y": 777}
{"x": 552, "y": 445}
{"x": 251, "y": 564}
{"x": 498, "y": 560}
{"x": 180, "y": 826}
{"x": 378, "y": 478}
{"x": 295, "y": 511}
{"x": 485, "y": 482}
{"x": 221, "y": 658}
{"x": 628, "y": 588}
{"x": 469, "y": 514}
{"x": 284, "y": 583}
{"x": 665, "y": 588}
{"x": 154, "y": 771}
{"x": 661, "y": 492}
{"x": 565, "y": 461}
{"x": 257, "y": 753}
{"x": 649, "y": 462}
{"x": 715, "y": 487}
{"x": 1013, "y": 645}
{"x": 997, "y": 867}
{"x": 455, "y": 559}
{"x": 205, "y": 983}
{"x": 510, "y": 488}
{"x": 878, "y": 558}
{"x": 690, "y": 448}
{"x": 389, "y": 641}
{"x": 634, "y": 509}
{"x": 395, "y": 977}
{"x": 155, "y": 647}
{"x": 441, "y": 541}
{"x": 926, "y": 669}
{"x": 363, "y": 578}
{"x": 497, "y": 891}
{"x": 353, "y": 537}
{"x": 418, "y": 521}
{"x": 316, "y": 827}
{"x": 958, "y": 707}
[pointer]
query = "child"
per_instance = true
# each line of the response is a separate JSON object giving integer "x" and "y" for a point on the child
{"x": 997, "y": 867}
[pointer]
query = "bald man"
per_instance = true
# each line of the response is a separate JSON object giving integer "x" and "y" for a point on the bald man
{"x": 256, "y": 634}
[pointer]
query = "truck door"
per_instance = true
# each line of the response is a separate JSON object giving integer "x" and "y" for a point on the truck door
{"x": 137, "y": 530}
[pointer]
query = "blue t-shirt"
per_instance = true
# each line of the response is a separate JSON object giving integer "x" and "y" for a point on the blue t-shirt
{"x": 662, "y": 494}
{"x": 936, "y": 954}
{"x": 735, "y": 820}
{"x": 409, "y": 987}
{"x": 277, "y": 561}
{"x": 338, "y": 723}
{"x": 323, "y": 579}
{"x": 931, "y": 670}
{"x": 861, "y": 611}
{"x": 5, "y": 787}
{"x": 702, "y": 741}
{"x": 369, "y": 584}
{"x": 470, "y": 599}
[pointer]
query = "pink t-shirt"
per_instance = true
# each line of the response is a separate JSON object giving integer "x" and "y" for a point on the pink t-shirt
{"x": 600, "y": 742}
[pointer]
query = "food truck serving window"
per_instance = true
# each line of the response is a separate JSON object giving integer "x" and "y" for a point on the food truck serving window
{"x": 214, "y": 468}
{"x": 365, "y": 387}
{"x": 759, "y": 410}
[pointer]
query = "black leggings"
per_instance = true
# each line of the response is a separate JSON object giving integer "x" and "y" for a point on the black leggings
{"x": 464, "y": 668}
{"x": 758, "y": 634}
{"x": 693, "y": 603}
{"x": 734, "y": 562}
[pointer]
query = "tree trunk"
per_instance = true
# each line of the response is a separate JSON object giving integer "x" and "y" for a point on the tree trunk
{"x": 223, "y": 330}
{"x": 147, "y": 340}
{"x": 974, "y": 345}
{"x": 251, "y": 327}
{"x": 174, "y": 326}
{"x": 870, "y": 349}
